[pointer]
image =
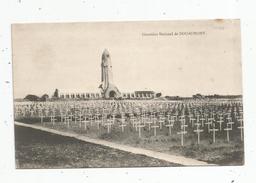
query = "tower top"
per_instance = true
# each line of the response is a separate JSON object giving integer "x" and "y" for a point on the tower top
{"x": 105, "y": 54}
{"x": 109, "y": 90}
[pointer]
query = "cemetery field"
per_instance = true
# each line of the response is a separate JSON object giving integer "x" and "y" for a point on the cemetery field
{"x": 221, "y": 152}
{"x": 37, "y": 149}
{"x": 206, "y": 130}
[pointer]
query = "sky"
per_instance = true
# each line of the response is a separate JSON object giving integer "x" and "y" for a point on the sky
{"x": 159, "y": 55}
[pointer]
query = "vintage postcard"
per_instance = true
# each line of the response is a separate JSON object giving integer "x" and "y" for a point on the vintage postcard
{"x": 128, "y": 94}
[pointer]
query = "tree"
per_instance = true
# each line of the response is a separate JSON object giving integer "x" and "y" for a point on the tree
{"x": 44, "y": 97}
{"x": 158, "y": 95}
{"x": 56, "y": 94}
{"x": 32, "y": 98}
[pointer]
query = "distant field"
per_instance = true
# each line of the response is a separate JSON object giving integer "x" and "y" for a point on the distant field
{"x": 37, "y": 149}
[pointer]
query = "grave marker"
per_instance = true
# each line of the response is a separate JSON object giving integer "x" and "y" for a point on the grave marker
{"x": 213, "y": 130}
{"x": 241, "y": 127}
{"x": 198, "y": 131}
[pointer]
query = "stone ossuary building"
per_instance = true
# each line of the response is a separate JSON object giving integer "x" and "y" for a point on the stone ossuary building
{"x": 108, "y": 90}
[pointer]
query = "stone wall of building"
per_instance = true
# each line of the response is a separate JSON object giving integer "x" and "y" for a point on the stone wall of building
{"x": 80, "y": 95}
{"x": 126, "y": 95}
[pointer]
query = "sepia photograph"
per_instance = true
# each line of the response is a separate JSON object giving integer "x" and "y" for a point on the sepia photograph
{"x": 128, "y": 94}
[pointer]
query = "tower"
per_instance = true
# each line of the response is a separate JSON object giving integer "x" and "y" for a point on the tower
{"x": 109, "y": 90}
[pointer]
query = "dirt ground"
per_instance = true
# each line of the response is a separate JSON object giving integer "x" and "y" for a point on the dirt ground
{"x": 37, "y": 149}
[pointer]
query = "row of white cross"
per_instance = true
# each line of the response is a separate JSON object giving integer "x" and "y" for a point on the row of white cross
{"x": 125, "y": 107}
{"x": 149, "y": 123}
{"x": 152, "y": 115}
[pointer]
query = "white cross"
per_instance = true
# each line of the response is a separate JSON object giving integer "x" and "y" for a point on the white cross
{"x": 41, "y": 117}
{"x": 132, "y": 119}
{"x": 161, "y": 121}
{"x": 190, "y": 116}
{"x": 198, "y": 118}
{"x": 114, "y": 118}
{"x": 143, "y": 117}
{"x": 62, "y": 117}
{"x": 136, "y": 123}
{"x": 23, "y": 112}
{"x": 154, "y": 126}
{"x": 182, "y": 118}
{"x": 108, "y": 124}
{"x": 46, "y": 111}
{"x": 152, "y": 116}
{"x": 104, "y": 118}
{"x": 68, "y": 120}
{"x": 202, "y": 119}
{"x": 208, "y": 125}
{"x": 220, "y": 121}
{"x": 139, "y": 127}
{"x": 227, "y": 129}
{"x": 210, "y": 120}
{"x": 198, "y": 131}
{"x": 122, "y": 125}
{"x": 230, "y": 123}
{"x": 235, "y": 113}
{"x": 241, "y": 114}
{"x": 97, "y": 121}
{"x": 91, "y": 119}
{"x": 175, "y": 117}
{"x": 85, "y": 121}
{"x": 169, "y": 126}
{"x": 80, "y": 119}
{"x": 32, "y": 113}
{"x": 168, "y": 116}
{"x": 192, "y": 119}
{"x": 182, "y": 133}
{"x": 71, "y": 117}
{"x": 197, "y": 125}
{"x": 241, "y": 127}
{"x": 148, "y": 122}
{"x": 213, "y": 130}
{"x": 212, "y": 114}
{"x": 229, "y": 118}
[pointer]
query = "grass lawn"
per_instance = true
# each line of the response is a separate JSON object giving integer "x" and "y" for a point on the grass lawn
{"x": 221, "y": 152}
{"x": 37, "y": 149}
